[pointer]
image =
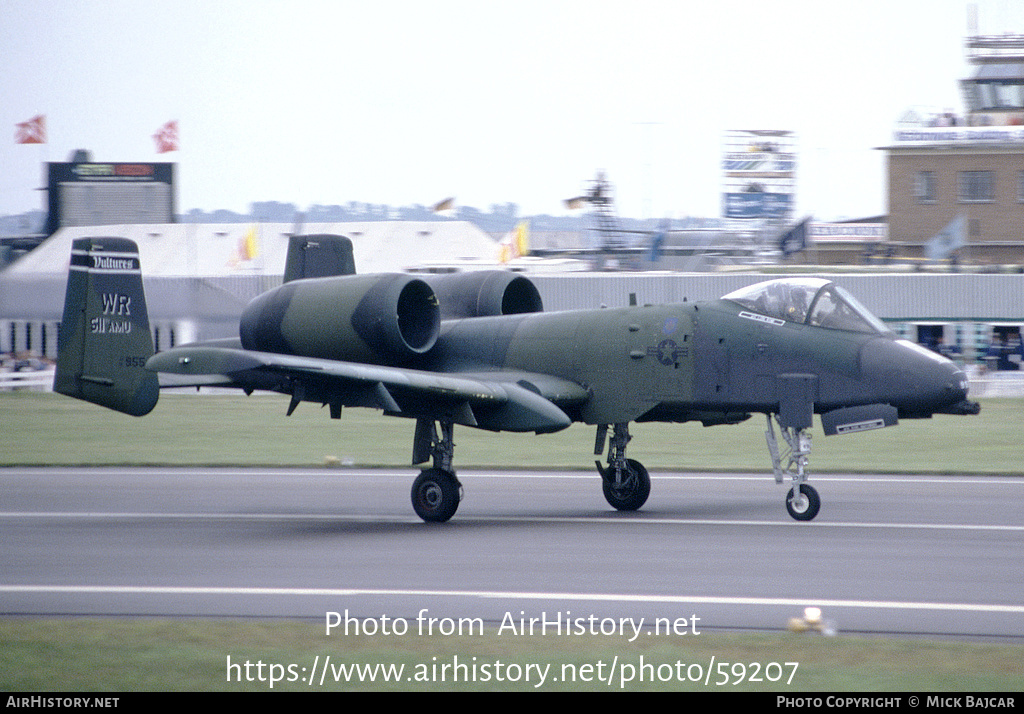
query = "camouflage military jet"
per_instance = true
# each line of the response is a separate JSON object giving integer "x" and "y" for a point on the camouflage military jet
{"x": 476, "y": 349}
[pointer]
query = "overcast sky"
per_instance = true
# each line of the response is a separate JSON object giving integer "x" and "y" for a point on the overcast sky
{"x": 405, "y": 102}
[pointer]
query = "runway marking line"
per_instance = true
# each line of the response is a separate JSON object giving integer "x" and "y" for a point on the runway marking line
{"x": 256, "y": 472}
{"x": 495, "y": 594}
{"x": 632, "y": 519}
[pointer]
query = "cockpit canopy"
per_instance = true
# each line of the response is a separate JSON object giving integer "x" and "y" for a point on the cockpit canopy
{"x": 809, "y": 301}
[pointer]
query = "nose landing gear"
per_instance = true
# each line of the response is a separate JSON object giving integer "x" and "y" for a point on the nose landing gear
{"x": 802, "y": 501}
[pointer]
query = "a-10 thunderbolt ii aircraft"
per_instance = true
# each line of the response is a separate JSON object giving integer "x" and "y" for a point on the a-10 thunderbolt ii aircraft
{"x": 476, "y": 349}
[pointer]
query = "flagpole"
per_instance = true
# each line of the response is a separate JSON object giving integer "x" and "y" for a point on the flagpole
{"x": 967, "y": 237}
{"x": 44, "y": 151}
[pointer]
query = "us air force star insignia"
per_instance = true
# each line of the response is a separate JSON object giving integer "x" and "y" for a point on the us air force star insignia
{"x": 667, "y": 352}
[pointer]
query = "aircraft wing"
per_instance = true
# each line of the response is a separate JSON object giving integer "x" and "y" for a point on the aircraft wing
{"x": 496, "y": 400}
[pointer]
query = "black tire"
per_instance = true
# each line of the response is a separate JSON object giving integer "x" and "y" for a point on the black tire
{"x": 806, "y": 508}
{"x": 633, "y": 492}
{"x": 436, "y": 495}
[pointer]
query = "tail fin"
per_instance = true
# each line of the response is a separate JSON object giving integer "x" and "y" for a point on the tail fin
{"x": 318, "y": 256}
{"x": 104, "y": 336}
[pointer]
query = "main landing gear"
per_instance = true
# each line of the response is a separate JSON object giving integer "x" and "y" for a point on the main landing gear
{"x": 625, "y": 482}
{"x": 802, "y": 501}
{"x": 436, "y": 492}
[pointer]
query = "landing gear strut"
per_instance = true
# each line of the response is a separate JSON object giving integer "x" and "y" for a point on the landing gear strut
{"x": 802, "y": 501}
{"x": 625, "y": 482}
{"x": 436, "y": 492}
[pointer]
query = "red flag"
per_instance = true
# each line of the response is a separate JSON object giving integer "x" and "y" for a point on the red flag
{"x": 32, "y": 131}
{"x": 167, "y": 138}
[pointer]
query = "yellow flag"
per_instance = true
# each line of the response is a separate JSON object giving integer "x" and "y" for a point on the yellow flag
{"x": 515, "y": 244}
{"x": 522, "y": 239}
{"x": 249, "y": 248}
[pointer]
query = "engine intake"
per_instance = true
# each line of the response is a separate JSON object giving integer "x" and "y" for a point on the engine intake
{"x": 484, "y": 293}
{"x": 377, "y": 319}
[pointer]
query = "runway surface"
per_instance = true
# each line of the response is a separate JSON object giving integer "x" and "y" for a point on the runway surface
{"x": 919, "y": 555}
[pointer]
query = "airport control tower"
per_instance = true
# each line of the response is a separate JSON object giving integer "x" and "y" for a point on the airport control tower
{"x": 956, "y": 181}
{"x": 994, "y": 93}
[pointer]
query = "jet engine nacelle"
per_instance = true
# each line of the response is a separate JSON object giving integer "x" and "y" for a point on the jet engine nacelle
{"x": 484, "y": 293}
{"x": 378, "y": 319}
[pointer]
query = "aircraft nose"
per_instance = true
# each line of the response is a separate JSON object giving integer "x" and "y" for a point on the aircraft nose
{"x": 912, "y": 378}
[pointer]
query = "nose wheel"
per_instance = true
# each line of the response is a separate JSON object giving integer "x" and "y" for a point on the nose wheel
{"x": 802, "y": 501}
{"x": 803, "y": 504}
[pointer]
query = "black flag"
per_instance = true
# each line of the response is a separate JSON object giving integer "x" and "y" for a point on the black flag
{"x": 795, "y": 239}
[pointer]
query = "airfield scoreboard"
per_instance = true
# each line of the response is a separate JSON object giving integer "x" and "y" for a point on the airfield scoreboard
{"x": 759, "y": 171}
{"x": 110, "y": 193}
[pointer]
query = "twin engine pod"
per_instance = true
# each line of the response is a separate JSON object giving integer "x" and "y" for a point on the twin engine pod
{"x": 378, "y": 319}
{"x": 361, "y": 318}
{"x": 484, "y": 293}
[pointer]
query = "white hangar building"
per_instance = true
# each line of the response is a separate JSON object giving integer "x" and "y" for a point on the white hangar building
{"x": 199, "y": 277}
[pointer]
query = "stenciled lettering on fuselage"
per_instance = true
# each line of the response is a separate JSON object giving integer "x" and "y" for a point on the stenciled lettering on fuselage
{"x": 761, "y": 318}
{"x": 854, "y": 427}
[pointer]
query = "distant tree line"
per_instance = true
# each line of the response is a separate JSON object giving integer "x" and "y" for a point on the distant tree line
{"x": 22, "y": 224}
{"x": 499, "y": 218}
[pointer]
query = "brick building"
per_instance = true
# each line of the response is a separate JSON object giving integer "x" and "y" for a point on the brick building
{"x": 946, "y": 167}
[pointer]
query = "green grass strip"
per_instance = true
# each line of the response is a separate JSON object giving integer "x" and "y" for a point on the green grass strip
{"x": 193, "y": 655}
{"x": 200, "y": 430}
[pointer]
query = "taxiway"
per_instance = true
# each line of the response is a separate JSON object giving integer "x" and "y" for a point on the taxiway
{"x": 917, "y": 555}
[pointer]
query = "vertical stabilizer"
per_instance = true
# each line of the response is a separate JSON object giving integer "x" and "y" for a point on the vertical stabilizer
{"x": 104, "y": 335}
{"x": 318, "y": 256}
